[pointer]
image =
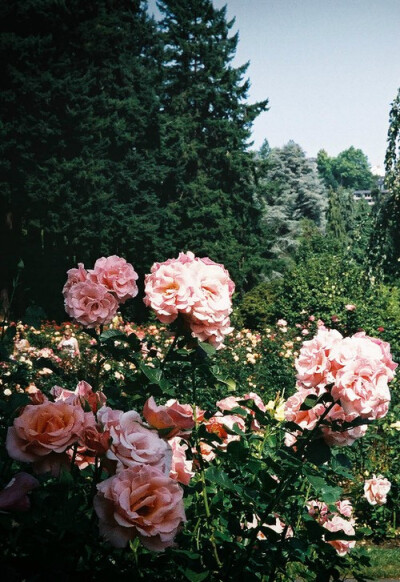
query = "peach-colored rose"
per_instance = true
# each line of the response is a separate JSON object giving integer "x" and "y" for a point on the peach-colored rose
{"x": 338, "y": 524}
{"x": 44, "y": 428}
{"x": 83, "y": 395}
{"x": 36, "y": 396}
{"x": 133, "y": 443}
{"x": 14, "y": 496}
{"x": 181, "y": 467}
{"x": 140, "y": 502}
{"x": 117, "y": 276}
{"x": 173, "y": 419}
{"x": 306, "y": 419}
{"x": 376, "y": 490}
{"x": 90, "y": 304}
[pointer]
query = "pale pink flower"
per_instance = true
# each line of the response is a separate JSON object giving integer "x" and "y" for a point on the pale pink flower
{"x": 313, "y": 365}
{"x": 117, "y": 276}
{"x": 376, "y": 490}
{"x": 173, "y": 419}
{"x": 169, "y": 289}
{"x": 90, "y": 304}
{"x": 281, "y": 323}
{"x": 338, "y": 524}
{"x": 14, "y": 496}
{"x": 44, "y": 428}
{"x": 74, "y": 276}
{"x": 132, "y": 443}
{"x": 350, "y": 307}
{"x": 306, "y": 419}
{"x": 345, "y": 508}
{"x": 181, "y": 467}
{"x": 140, "y": 502}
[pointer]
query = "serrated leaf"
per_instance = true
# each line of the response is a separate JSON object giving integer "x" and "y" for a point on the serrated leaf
{"x": 207, "y": 348}
{"x": 219, "y": 477}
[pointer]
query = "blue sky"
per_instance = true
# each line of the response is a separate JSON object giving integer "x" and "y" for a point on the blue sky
{"x": 330, "y": 69}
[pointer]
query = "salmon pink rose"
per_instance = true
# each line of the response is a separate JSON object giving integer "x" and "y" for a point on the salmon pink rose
{"x": 181, "y": 467}
{"x": 338, "y": 524}
{"x": 44, "y": 428}
{"x": 313, "y": 364}
{"x": 173, "y": 419}
{"x": 117, "y": 276}
{"x": 132, "y": 443}
{"x": 90, "y": 304}
{"x": 140, "y": 502}
{"x": 14, "y": 496}
{"x": 376, "y": 490}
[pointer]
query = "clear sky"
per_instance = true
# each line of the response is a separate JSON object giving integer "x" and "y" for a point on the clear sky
{"x": 330, "y": 69}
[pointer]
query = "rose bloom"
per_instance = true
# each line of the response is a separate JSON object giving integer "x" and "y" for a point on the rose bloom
{"x": 118, "y": 276}
{"x": 140, "y": 502}
{"x": 14, "y": 497}
{"x": 376, "y": 490}
{"x": 338, "y": 524}
{"x": 181, "y": 467}
{"x": 74, "y": 276}
{"x": 176, "y": 417}
{"x": 169, "y": 289}
{"x": 90, "y": 304}
{"x": 133, "y": 443}
{"x": 44, "y": 428}
{"x": 306, "y": 419}
{"x": 82, "y": 395}
{"x": 313, "y": 364}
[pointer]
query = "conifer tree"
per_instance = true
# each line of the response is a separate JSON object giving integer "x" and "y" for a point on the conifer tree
{"x": 80, "y": 167}
{"x": 208, "y": 193}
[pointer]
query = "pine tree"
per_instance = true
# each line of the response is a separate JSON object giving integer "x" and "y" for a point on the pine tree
{"x": 207, "y": 194}
{"x": 80, "y": 151}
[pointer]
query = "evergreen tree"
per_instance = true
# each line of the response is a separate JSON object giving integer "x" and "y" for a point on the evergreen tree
{"x": 207, "y": 194}
{"x": 290, "y": 191}
{"x": 385, "y": 239}
{"x": 80, "y": 167}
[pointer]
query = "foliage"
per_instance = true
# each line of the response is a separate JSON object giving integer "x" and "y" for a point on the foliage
{"x": 385, "y": 240}
{"x": 350, "y": 169}
{"x": 207, "y": 194}
{"x": 289, "y": 190}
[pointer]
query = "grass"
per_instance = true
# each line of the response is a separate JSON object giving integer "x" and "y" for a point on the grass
{"x": 385, "y": 562}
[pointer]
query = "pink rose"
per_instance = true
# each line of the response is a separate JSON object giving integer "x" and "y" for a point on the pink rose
{"x": 181, "y": 467}
{"x": 82, "y": 395}
{"x": 376, "y": 490}
{"x": 14, "y": 497}
{"x": 313, "y": 365}
{"x": 338, "y": 524}
{"x": 306, "y": 419}
{"x": 345, "y": 508}
{"x": 168, "y": 289}
{"x": 198, "y": 289}
{"x": 75, "y": 276}
{"x": 44, "y": 428}
{"x": 90, "y": 304}
{"x": 117, "y": 276}
{"x": 174, "y": 418}
{"x": 350, "y": 307}
{"x": 140, "y": 502}
{"x": 132, "y": 443}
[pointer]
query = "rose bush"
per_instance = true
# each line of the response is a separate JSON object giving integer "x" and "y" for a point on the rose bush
{"x": 200, "y": 485}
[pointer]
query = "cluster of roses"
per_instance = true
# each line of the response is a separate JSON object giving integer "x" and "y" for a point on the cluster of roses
{"x": 356, "y": 370}
{"x": 92, "y": 296}
{"x": 197, "y": 289}
{"x": 142, "y": 497}
{"x": 335, "y": 521}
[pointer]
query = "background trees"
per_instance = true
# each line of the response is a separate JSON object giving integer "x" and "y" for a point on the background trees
{"x": 207, "y": 195}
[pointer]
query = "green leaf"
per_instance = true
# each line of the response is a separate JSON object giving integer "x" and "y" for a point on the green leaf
{"x": 208, "y": 349}
{"x": 194, "y": 576}
{"x": 219, "y": 477}
{"x": 318, "y": 452}
{"x": 112, "y": 334}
